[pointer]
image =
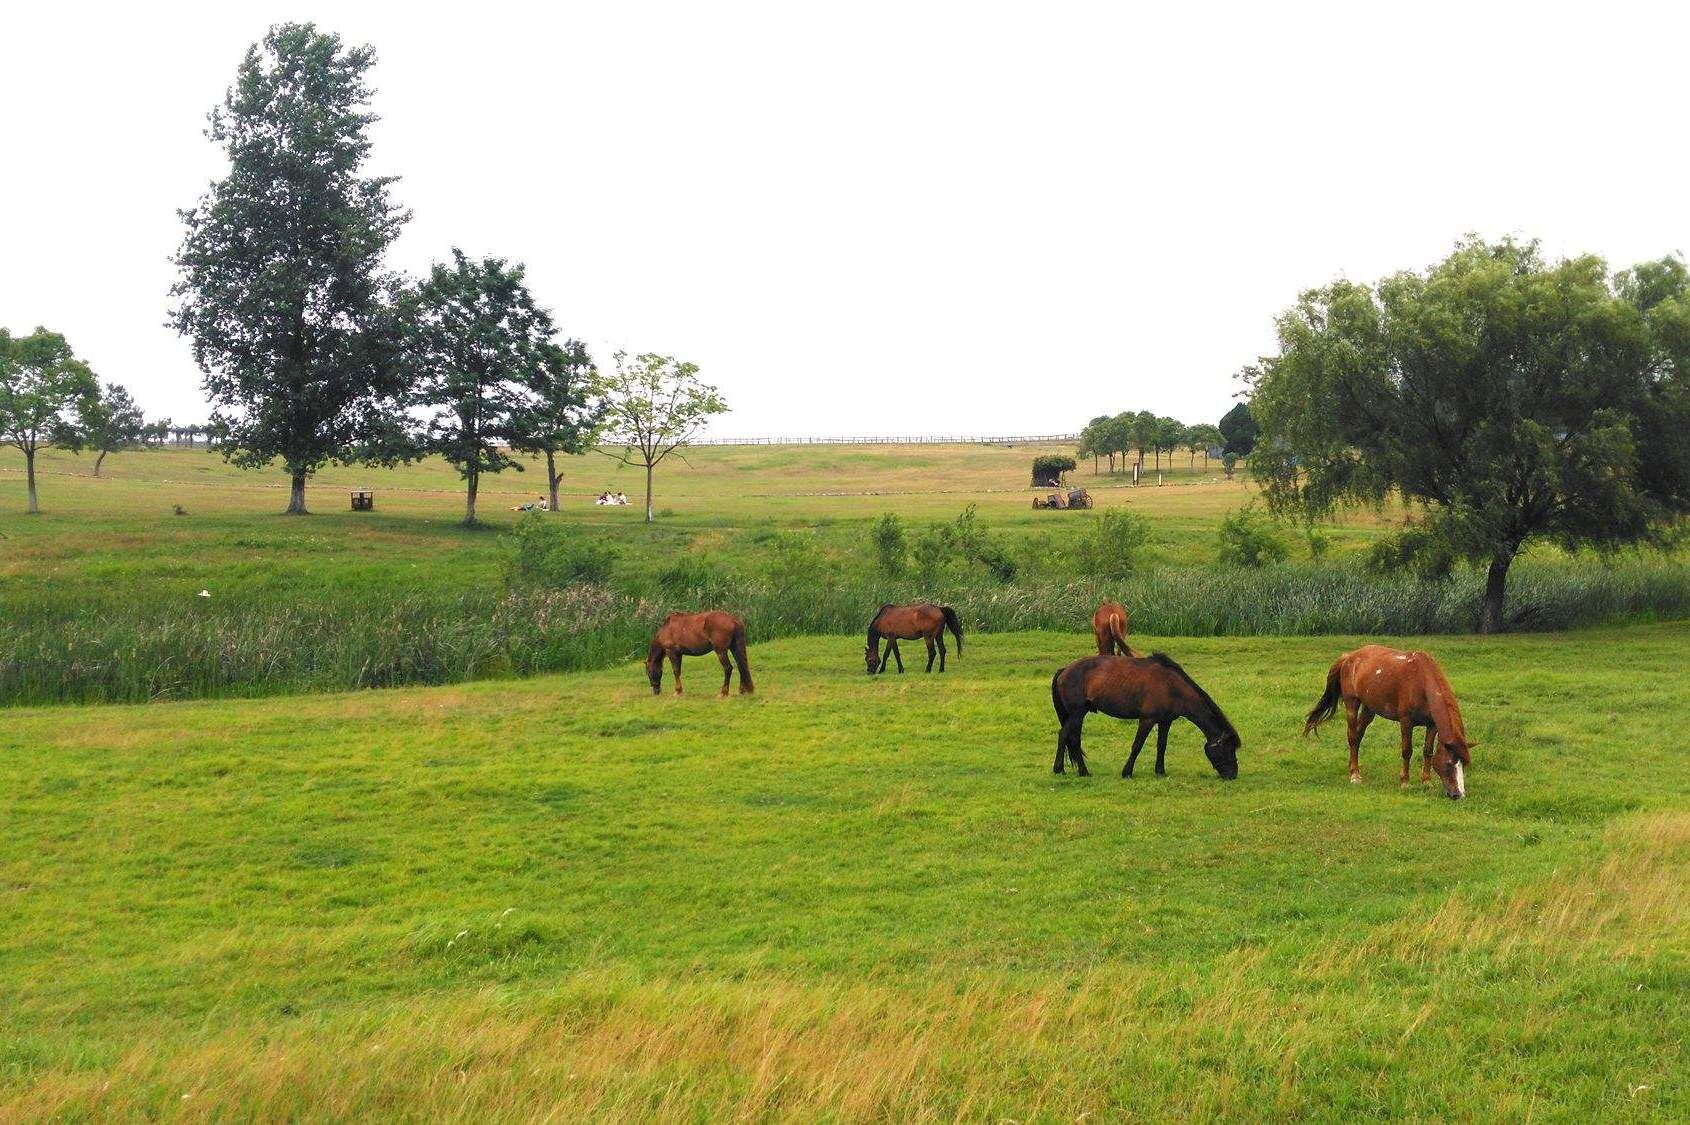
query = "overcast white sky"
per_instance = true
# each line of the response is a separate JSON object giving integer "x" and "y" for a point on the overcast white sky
{"x": 876, "y": 218}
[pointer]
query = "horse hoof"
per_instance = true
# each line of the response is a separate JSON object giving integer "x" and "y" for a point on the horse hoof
{"x": 1355, "y": 779}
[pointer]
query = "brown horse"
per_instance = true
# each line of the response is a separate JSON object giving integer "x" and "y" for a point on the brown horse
{"x": 694, "y": 634}
{"x": 907, "y": 622}
{"x": 1155, "y": 691}
{"x": 1410, "y": 688}
{"x": 1109, "y": 626}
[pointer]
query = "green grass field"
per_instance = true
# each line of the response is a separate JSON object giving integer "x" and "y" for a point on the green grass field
{"x": 853, "y": 898}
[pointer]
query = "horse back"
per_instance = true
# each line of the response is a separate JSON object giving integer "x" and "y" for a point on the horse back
{"x": 1393, "y": 683}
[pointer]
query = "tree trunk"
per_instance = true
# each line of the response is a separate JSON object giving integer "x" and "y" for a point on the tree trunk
{"x": 1496, "y": 585}
{"x": 469, "y": 504}
{"x": 296, "y": 495}
{"x": 98, "y": 460}
{"x": 648, "y": 513}
{"x": 551, "y": 478}
{"x": 29, "y": 468}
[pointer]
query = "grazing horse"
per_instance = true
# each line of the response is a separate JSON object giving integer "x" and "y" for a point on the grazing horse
{"x": 1109, "y": 626}
{"x": 1155, "y": 691}
{"x": 1410, "y": 688}
{"x": 907, "y": 622}
{"x": 694, "y": 634}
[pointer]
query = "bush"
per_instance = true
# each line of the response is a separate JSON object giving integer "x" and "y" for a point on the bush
{"x": 1319, "y": 544}
{"x": 541, "y": 553}
{"x": 978, "y": 546}
{"x": 795, "y": 562}
{"x": 1111, "y": 544}
{"x": 1250, "y": 539}
{"x": 694, "y": 581}
{"x": 891, "y": 545}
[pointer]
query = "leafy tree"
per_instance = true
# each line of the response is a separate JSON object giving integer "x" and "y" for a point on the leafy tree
{"x": 1091, "y": 444}
{"x": 282, "y": 288}
{"x": 1169, "y": 433}
{"x": 562, "y": 416}
{"x": 1249, "y": 539}
{"x": 108, "y": 421}
{"x": 654, "y": 405}
{"x": 1115, "y": 435}
{"x": 41, "y": 380}
{"x": 474, "y": 339}
{"x": 891, "y": 544}
{"x": 1238, "y": 427}
{"x": 1515, "y": 398}
{"x": 1200, "y": 439}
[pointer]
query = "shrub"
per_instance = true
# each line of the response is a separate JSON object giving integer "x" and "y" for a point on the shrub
{"x": 1111, "y": 544}
{"x": 1319, "y": 543}
{"x": 541, "y": 553}
{"x": 1250, "y": 539}
{"x": 691, "y": 578}
{"x": 891, "y": 545}
{"x": 978, "y": 546}
{"x": 794, "y": 561}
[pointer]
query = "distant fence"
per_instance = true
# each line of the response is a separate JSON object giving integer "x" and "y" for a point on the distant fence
{"x": 903, "y": 439}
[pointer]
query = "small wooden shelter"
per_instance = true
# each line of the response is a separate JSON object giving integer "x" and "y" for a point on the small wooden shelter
{"x": 363, "y": 500}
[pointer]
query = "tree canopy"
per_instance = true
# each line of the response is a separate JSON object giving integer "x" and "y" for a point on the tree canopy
{"x": 1513, "y": 397}
{"x": 562, "y": 416}
{"x": 108, "y": 420}
{"x": 282, "y": 287}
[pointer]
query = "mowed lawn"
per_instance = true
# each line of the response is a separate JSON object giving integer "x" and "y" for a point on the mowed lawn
{"x": 854, "y": 898}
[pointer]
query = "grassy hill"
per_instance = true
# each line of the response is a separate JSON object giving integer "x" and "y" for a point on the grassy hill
{"x": 853, "y": 898}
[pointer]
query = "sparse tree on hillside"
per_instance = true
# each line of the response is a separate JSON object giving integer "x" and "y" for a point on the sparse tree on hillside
{"x": 654, "y": 405}
{"x": 282, "y": 288}
{"x": 107, "y": 421}
{"x": 41, "y": 380}
{"x": 473, "y": 339}
{"x": 562, "y": 418}
{"x": 1516, "y": 399}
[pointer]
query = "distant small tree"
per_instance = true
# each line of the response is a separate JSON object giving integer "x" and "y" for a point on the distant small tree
{"x": 473, "y": 339}
{"x": 1170, "y": 432}
{"x": 107, "y": 421}
{"x": 1238, "y": 427}
{"x": 41, "y": 381}
{"x": 891, "y": 544}
{"x": 1201, "y": 438}
{"x": 655, "y": 405}
{"x": 157, "y": 430}
{"x": 562, "y": 417}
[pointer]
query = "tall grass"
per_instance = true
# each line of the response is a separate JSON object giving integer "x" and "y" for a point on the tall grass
{"x": 110, "y": 651}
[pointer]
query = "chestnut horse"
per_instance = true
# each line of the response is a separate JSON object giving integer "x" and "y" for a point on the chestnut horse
{"x": 1155, "y": 691}
{"x": 907, "y": 622}
{"x": 1410, "y": 688}
{"x": 694, "y": 634}
{"x": 1109, "y": 626}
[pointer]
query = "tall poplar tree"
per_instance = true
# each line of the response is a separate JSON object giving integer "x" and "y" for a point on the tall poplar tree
{"x": 282, "y": 288}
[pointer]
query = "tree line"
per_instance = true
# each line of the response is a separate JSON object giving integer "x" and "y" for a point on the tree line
{"x": 1144, "y": 434}
{"x": 313, "y": 352}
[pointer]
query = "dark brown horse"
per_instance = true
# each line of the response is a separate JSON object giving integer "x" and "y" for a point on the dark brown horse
{"x": 1155, "y": 691}
{"x": 694, "y": 634}
{"x": 1109, "y": 626}
{"x": 1410, "y": 688}
{"x": 907, "y": 622}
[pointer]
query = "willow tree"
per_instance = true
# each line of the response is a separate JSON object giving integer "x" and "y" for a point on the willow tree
{"x": 1514, "y": 398}
{"x": 282, "y": 289}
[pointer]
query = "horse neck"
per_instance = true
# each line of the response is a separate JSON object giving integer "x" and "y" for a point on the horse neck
{"x": 1441, "y": 706}
{"x": 1206, "y": 713}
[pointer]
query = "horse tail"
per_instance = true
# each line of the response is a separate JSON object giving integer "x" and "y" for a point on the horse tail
{"x": 737, "y": 645}
{"x": 954, "y": 625}
{"x": 1328, "y": 705}
{"x": 1118, "y": 631}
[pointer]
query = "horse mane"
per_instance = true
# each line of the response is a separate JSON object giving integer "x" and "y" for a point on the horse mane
{"x": 873, "y": 633}
{"x": 1171, "y": 665}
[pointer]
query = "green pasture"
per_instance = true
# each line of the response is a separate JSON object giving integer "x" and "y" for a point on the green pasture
{"x": 853, "y": 898}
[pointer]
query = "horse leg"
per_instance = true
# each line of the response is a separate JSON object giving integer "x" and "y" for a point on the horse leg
{"x": 1162, "y": 746}
{"x": 675, "y": 663}
{"x": 898, "y": 656}
{"x": 1076, "y": 754}
{"x": 940, "y": 636}
{"x": 1407, "y": 749}
{"x": 1357, "y": 717}
{"x": 931, "y": 653}
{"x": 1426, "y": 755}
{"x": 727, "y": 670}
{"x": 1138, "y": 744}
